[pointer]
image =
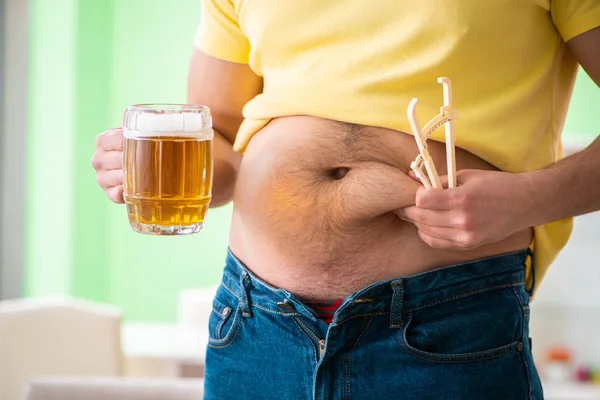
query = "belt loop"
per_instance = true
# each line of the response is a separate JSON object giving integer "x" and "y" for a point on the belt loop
{"x": 245, "y": 288}
{"x": 532, "y": 288}
{"x": 396, "y": 308}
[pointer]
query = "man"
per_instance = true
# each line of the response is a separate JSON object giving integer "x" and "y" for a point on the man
{"x": 345, "y": 279}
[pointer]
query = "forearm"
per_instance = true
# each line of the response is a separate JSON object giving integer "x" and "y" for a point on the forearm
{"x": 226, "y": 165}
{"x": 567, "y": 188}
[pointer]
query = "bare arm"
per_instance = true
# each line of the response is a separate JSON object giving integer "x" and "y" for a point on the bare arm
{"x": 571, "y": 187}
{"x": 224, "y": 87}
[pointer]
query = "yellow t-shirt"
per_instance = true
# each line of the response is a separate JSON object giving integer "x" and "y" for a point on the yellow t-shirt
{"x": 363, "y": 61}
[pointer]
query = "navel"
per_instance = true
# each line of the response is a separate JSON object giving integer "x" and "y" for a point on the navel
{"x": 339, "y": 173}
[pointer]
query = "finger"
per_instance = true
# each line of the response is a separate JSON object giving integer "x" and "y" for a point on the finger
{"x": 422, "y": 216}
{"x": 115, "y": 194}
{"x": 459, "y": 239}
{"x": 444, "y": 181}
{"x": 108, "y": 160}
{"x": 440, "y": 232}
{"x": 401, "y": 213}
{"x": 442, "y": 244}
{"x": 464, "y": 175}
{"x": 433, "y": 199}
{"x": 436, "y": 243}
{"x": 110, "y": 140}
{"x": 110, "y": 179}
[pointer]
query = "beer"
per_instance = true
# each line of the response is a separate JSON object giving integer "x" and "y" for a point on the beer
{"x": 167, "y": 178}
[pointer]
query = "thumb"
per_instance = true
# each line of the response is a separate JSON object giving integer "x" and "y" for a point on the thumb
{"x": 443, "y": 178}
{"x": 444, "y": 181}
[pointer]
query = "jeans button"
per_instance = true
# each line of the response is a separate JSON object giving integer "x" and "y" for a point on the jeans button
{"x": 520, "y": 346}
{"x": 285, "y": 306}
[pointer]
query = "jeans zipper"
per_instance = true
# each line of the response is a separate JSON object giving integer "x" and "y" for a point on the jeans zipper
{"x": 321, "y": 347}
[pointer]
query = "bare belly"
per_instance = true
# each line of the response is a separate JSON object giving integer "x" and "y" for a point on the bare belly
{"x": 314, "y": 202}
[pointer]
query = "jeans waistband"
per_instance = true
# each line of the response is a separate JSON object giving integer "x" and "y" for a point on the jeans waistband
{"x": 394, "y": 296}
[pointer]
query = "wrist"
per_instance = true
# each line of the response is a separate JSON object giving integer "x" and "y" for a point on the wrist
{"x": 224, "y": 177}
{"x": 539, "y": 196}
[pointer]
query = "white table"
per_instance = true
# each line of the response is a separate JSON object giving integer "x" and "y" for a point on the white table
{"x": 571, "y": 391}
{"x": 173, "y": 346}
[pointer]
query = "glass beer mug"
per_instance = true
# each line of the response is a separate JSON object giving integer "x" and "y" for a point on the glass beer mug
{"x": 167, "y": 167}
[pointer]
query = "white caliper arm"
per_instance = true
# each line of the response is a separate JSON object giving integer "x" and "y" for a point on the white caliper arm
{"x": 447, "y": 115}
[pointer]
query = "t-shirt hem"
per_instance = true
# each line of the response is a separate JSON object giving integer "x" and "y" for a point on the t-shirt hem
{"x": 580, "y": 25}
{"x": 221, "y": 52}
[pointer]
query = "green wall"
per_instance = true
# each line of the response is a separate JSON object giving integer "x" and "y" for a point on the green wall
{"x": 51, "y": 148}
{"x": 582, "y": 124}
{"x": 89, "y": 60}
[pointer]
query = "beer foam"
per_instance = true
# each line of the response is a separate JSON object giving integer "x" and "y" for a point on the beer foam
{"x": 166, "y": 122}
{"x": 153, "y": 124}
{"x": 202, "y": 134}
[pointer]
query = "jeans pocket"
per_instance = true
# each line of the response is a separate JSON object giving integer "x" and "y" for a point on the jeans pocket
{"x": 225, "y": 319}
{"x": 476, "y": 327}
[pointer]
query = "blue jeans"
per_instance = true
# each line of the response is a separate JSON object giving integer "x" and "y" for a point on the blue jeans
{"x": 459, "y": 332}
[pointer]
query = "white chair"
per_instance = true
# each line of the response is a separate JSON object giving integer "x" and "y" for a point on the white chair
{"x": 195, "y": 306}
{"x": 171, "y": 350}
{"x": 115, "y": 388}
{"x": 56, "y": 336}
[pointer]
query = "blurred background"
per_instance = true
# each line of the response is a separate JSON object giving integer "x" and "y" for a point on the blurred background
{"x": 68, "y": 70}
